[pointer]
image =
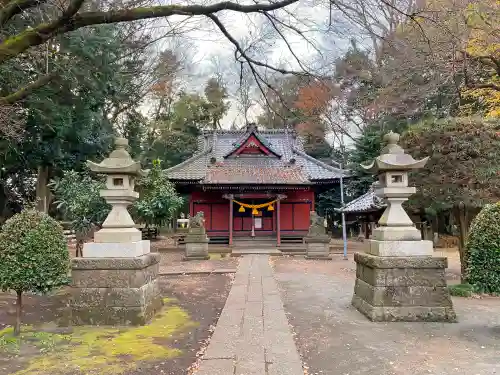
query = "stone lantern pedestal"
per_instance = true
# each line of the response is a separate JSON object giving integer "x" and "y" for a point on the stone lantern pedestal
{"x": 115, "y": 282}
{"x": 398, "y": 279}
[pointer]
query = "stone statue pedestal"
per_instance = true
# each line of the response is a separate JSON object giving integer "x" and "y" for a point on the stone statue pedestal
{"x": 317, "y": 247}
{"x": 317, "y": 241}
{"x": 402, "y": 288}
{"x": 114, "y": 291}
{"x": 196, "y": 244}
{"x": 196, "y": 240}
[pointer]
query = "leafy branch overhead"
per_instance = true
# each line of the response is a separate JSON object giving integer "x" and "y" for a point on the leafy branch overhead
{"x": 75, "y": 16}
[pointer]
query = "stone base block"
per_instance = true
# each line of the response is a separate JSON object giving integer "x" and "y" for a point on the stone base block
{"x": 116, "y": 250}
{"x": 396, "y": 234}
{"x": 318, "y": 250}
{"x": 402, "y": 289}
{"x": 194, "y": 257}
{"x": 196, "y": 250}
{"x": 120, "y": 291}
{"x": 400, "y": 248}
{"x": 318, "y": 257}
{"x": 113, "y": 235}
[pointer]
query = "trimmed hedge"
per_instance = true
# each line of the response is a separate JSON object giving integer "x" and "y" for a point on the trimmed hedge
{"x": 33, "y": 253}
{"x": 483, "y": 250}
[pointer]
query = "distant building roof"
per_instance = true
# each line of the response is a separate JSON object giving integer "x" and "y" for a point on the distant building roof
{"x": 252, "y": 156}
{"x": 368, "y": 202}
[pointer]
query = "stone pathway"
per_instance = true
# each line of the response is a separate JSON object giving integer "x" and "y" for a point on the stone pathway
{"x": 252, "y": 336}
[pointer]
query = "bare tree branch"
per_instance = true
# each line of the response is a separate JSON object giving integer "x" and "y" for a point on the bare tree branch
{"x": 27, "y": 90}
{"x": 16, "y": 7}
{"x": 70, "y": 21}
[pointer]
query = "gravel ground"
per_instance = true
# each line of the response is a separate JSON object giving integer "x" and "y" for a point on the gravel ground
{"x": 172, "y": 262}
{"x": 335, "y": 339}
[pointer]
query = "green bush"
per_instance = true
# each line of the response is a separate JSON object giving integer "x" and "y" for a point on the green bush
{"x": 461, "y": 290}
{"x": 33, "y": 256}
{"x": 483, "y": 250}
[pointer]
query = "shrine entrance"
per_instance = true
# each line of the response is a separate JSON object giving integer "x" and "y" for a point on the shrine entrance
{"x": 248, "y": 222}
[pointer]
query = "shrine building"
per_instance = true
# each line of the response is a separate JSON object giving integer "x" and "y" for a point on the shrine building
{"x": 253, "y": 183}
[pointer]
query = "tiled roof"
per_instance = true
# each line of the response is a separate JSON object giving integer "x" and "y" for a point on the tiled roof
{"x": 214, "y": 147}
{"x": 230, "y": 174}
{"x": 365, "y": 203}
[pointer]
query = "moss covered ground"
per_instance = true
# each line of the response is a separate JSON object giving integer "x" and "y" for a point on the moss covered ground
{"x": 100, "y": 350}
{"x": 168, "y": 345}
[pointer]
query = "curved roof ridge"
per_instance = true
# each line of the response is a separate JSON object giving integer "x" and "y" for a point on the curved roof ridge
{"x": 373, "y": 201}
{"x": 189, "y": 160}
{"x": 244, "y": 131}
{"x": 319, "y": 162}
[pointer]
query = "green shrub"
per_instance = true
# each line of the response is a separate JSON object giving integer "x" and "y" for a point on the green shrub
{"x": 483, "y": 250}
{"x": 33, "y": 256}
{"x": 461, "y": 290}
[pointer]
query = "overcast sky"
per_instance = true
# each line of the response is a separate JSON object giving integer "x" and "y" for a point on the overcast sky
{"x": 213, "y": 54}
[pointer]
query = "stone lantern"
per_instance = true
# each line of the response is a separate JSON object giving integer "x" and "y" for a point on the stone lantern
{"x": 118, "y": 237}
{"x": 115, "y": 282}
{"x": 398, "y": 279}
{"x": 392, "y": 168}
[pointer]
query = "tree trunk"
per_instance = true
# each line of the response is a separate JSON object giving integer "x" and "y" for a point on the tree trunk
{"x": 19, "y": 308}
{"x": 461, "y": 219}
{"x": 42, "y": 191}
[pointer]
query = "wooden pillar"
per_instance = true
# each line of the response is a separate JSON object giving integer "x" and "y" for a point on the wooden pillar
{"x": 231, "y": 220}
{"x": 367, "y": 232}
{"x": 278, "y": 226}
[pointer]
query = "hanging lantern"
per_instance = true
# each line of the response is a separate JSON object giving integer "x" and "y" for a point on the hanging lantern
{"x": 255, "y": 212}
{"x": 241, "y": 209}
{"x": 270, "y": 207}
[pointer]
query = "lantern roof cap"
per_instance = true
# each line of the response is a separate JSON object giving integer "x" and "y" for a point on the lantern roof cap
{"x": 119, "y": 161}
{"x": 393, "y": 157}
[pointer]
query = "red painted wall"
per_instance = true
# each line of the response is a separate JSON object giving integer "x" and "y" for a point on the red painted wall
{"x": 295, "y": 210}
{"x": 294, "y": 213}
{"x": 215, "y": 208}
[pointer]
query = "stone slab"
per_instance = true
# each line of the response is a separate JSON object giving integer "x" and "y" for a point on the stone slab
{"x": 196, "y": 251}
{"x": 117, "y": 235}
{"x": 116, "y": 250}
{"x": 196, "y": 257}
{"x": 406, "y": 295}
{"x": 216, "y": 367}
{"x": 402, "y": 289}
{"x": 114, "y": 278}
{"x": 116, "y": 297}
{"x": 216, "y": 271}
{"x": 373, "y": 261}
{"x": 115, "y": 263}
{"x": 271, "y": 251}
{"x": 317, "y": 239}
{"x": 318, "y": 257}
{"x": 405, "y": 313}
{"x": 318, "y": 250}
{"x": 253, "y": 328}
{"x": 400, "y": 248}
{"x": 113, "y": 315}
{"x": 401, "y": 276}
{"x": 396, "y": 234}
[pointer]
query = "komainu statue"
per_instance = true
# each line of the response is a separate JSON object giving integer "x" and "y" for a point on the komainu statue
{"x": 316, "y": 225}
{"x": 197, "y": 221}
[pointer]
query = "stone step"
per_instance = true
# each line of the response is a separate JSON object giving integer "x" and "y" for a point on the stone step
{"x": 255, "y": 244}
{"x": 265, "y": 251}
